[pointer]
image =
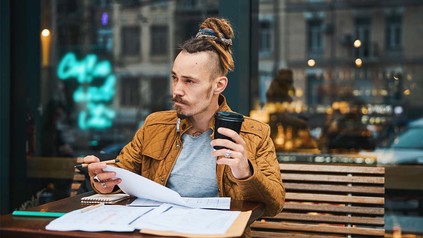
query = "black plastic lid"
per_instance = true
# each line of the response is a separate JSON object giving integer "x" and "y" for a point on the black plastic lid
{"x": 229, "y": 116}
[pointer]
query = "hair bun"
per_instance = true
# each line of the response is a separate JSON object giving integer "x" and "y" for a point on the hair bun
{"x": 217, "y": 28}
{"x": 215, "y": 35}
{"x": 210, "y": 34}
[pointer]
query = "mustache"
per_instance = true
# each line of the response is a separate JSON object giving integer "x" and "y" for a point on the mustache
{"x": 179, "y": 100}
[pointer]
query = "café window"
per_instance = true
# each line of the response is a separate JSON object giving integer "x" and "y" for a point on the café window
{"x": 131, "y": 41}
{"x": 101, "y": 80}
{"x": 159, "y": 40}
{"x": 362, "y": 32}
{"x": 130, "y": 92}
{"x": 394, "y": 32}
{"x": 265, "y": 40}
{"x": 314, "y": 37}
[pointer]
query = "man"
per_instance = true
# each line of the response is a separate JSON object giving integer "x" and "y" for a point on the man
{"x": 175, "y": 148}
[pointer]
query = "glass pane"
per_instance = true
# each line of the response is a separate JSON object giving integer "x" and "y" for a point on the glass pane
{"x": 106, "y": 66}
{"x": 343, "y": 84}
{"x": 337, "y": 77}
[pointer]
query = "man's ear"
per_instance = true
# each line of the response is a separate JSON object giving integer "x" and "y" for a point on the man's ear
{"x": 221, "y": 83}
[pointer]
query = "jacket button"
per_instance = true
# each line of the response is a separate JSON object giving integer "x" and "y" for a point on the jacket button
{"x": 162, "y": 179}
{"x": 184, "y": 126}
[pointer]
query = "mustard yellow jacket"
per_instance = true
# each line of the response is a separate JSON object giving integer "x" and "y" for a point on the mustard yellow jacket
{"x": 156, "y": 146}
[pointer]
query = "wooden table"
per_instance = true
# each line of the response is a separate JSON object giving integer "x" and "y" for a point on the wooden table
{"x": 18, "y": 226}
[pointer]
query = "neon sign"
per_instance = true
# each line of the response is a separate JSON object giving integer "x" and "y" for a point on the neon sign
{"x": 92, "y": 99}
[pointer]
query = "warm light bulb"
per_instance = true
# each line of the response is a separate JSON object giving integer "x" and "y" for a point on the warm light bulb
{"x": 357, "y": 43}
{"x": 358, "y": 62}
{"x": 311, "y": 62}
{"x": 45, "y": 33}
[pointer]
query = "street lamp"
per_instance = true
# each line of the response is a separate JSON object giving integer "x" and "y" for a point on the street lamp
{"x": 311, "y": 62}
{"x": 45, "y": 44}
{"x": 357, "y": 43}
{"x": 358, "y": 62}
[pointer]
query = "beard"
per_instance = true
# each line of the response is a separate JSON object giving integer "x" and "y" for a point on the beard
{"x": 178, "y": 110}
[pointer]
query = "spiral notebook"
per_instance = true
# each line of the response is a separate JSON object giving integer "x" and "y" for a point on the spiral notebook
{"x": 104, "y": 198}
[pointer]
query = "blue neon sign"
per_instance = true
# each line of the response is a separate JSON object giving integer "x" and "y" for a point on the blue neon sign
{"x": 93, "y": 100}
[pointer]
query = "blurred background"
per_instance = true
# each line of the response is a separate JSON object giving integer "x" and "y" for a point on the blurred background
{"x": 338, "y": 81}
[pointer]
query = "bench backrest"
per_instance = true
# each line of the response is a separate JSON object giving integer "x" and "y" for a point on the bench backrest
{"x": 328, "y": 200}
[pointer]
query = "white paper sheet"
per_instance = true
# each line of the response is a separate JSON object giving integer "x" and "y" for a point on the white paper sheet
{"x": 209, "y": 203}
{"x": 138, "y": 186}
{"x": 146, "y": 189}
{"x": 187, "y": 220}
{"x": 103, "y": 218}
{"x": 223, "y": 203}
{"x": 167, "y": 217}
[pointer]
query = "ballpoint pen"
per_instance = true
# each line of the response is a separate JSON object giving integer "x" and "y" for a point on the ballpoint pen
{"x": 112, "y": 161}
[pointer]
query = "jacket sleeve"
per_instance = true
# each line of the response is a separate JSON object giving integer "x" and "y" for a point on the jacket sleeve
{"x": 265, "y": 185}
{"x": 130, "y": 155}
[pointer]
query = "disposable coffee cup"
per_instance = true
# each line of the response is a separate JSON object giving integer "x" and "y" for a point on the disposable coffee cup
{"x": 230, "y": 120}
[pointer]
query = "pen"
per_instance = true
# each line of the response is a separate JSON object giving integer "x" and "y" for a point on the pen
{"x": 112, "y": 161}
{"x": 38, "y": 214}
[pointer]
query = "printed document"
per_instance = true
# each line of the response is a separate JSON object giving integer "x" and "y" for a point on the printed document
{"x": 166, "y": 219}
{"x": 102, "y": 218}
{"x": 141, "y": 187}
{"x": 207, "y": 203}
{"x": 172, "y": 218}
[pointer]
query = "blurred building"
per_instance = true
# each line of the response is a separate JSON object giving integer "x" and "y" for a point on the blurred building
{"x": 348, "y": 53}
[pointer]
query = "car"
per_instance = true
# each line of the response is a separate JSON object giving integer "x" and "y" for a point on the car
{"x": 406, "y": 148}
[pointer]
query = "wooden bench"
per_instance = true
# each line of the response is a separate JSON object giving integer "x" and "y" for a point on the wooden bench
{"x": 328, "y": 201}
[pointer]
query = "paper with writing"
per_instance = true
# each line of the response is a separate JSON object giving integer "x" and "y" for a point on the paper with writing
{"x": 208, "y": 202}
{"x": 146, "y": 189}
{"x": 104, "y": 218}
{"x": 183, "y": 220}
{"x": 165, "y": 218}
{"x": 141, "y": 187}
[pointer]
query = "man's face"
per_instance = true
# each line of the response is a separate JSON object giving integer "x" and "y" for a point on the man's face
{"x": 192, "y": 83}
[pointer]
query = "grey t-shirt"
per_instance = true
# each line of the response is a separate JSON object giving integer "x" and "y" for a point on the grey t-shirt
{"x": 194, "y": 174}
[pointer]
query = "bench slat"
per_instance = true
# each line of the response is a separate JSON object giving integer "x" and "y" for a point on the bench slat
{"x": 333, "y": 209}
{"x": 334, "y": 188}
{"x": 328, "y": 200}
{"x": 331, "y": 168}
{"x": 319, "y": 228}
{"x": 334, "y": 198}
{"x": 79, "y": 177}
{"x": 328, "y": 218}
{"x": 332, "y": 178}
{"x": 267, "y": 234}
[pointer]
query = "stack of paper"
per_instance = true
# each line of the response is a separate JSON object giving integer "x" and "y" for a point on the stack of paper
{"x": 163, "y": 220}
{"x": 158, "y": 210}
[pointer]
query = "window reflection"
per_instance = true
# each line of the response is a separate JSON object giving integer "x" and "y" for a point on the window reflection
{"x": 354, "y": 79}
{"x": 339, "y": 81}
{"x": 108, "y": 67}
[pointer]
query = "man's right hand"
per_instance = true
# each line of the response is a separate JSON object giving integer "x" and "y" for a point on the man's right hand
{"x": 103, "y": 182}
